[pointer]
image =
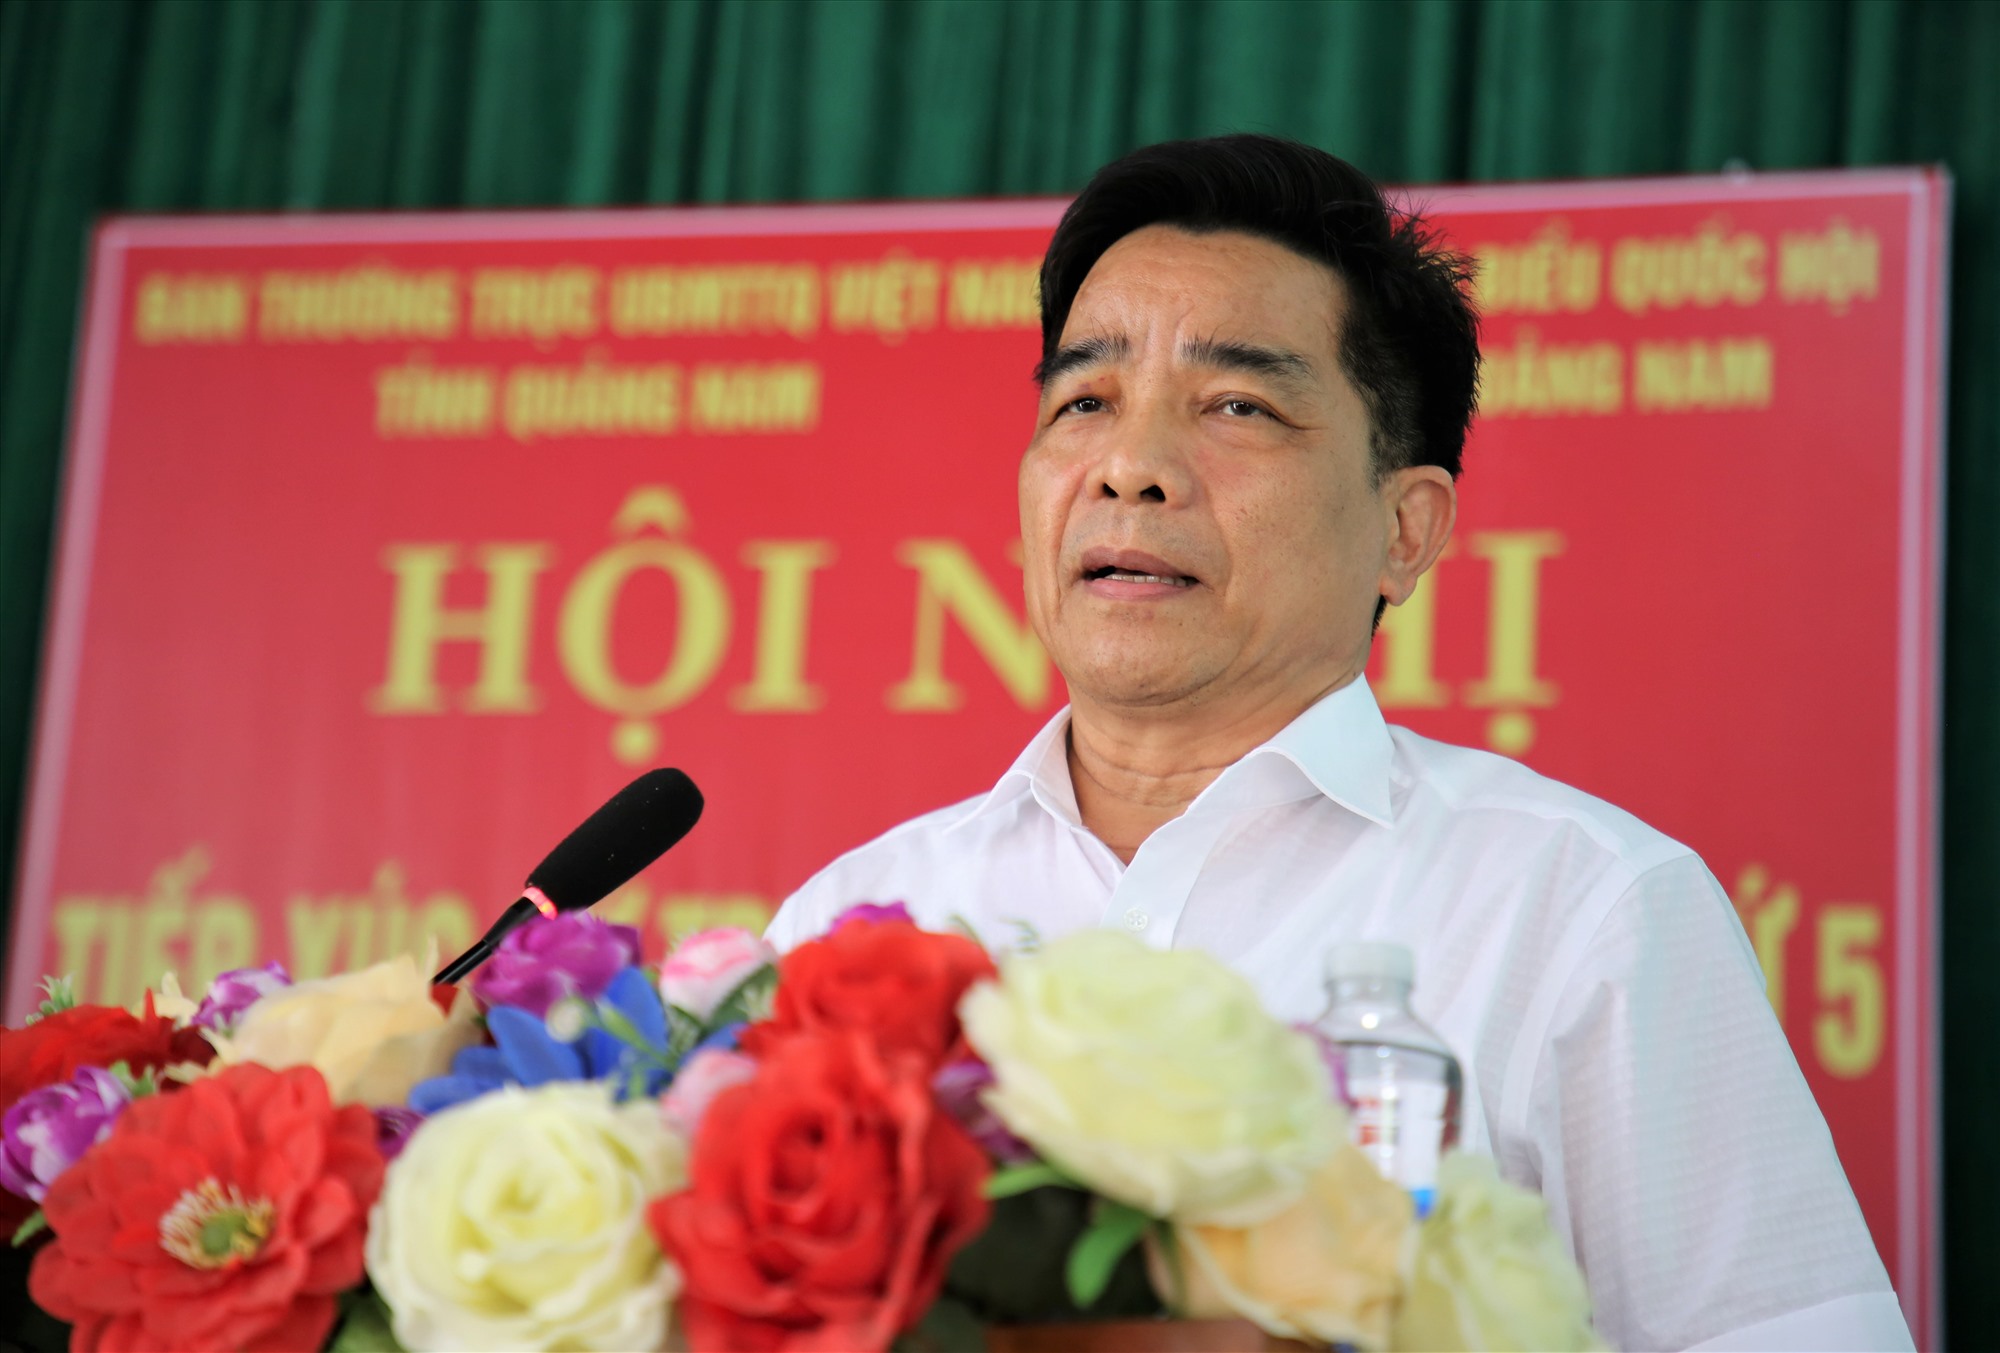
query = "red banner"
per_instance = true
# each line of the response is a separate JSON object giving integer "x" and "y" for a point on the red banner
{"x": 393, "y": 545}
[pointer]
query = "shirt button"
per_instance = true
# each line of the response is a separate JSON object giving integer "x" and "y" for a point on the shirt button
{"x": 1135, "y": 919}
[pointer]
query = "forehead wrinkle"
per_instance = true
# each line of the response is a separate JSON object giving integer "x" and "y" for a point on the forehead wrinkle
{"x": 1095, "y": 350}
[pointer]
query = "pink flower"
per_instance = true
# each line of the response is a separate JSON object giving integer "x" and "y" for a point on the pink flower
{"x": 704, "y": 1076}
{"x": 707, "y": 966}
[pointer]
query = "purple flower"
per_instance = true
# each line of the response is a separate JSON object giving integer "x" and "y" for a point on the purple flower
{"x": 48, "y": 1129}
{"x": 574, "y": 954}
{"x": 870, "y": 913}
{"x": 957, "y": 1087}
{"x": 393, "y": 1126}
{"x": 235, "y": 991}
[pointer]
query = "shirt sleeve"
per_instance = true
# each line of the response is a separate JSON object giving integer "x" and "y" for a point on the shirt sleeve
{"x": 808, "y": 912}
{"x": 792, "y": 924}
{"x": 1676, "y": 1139}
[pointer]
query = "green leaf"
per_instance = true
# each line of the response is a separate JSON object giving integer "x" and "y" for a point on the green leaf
{"x": 366, "y": 1328}
{"x": 1012, "y": 1273}
{"x": 1170, "y": 1247}
{"x": 1013, "y": 1179}
{"x": 37, "y": 1222}
{"x": 947, "y": 1327}
{"x": 1027, "y": 939}
{"x": 146, "y": 1083}
{"x": 61, "y": 993}
{"x": 1115, "y": 1229}
{"x": 684, "y": 1034}
{"x": 748, "y": 1003}
{"x": 615, "y": 1023}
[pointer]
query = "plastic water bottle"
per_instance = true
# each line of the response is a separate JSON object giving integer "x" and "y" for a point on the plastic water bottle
{"x": 1399, "y": 1081}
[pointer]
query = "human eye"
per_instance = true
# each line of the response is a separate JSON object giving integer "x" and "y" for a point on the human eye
{"x": 1238, "y": 407}
{"x": 1081, "y": 404}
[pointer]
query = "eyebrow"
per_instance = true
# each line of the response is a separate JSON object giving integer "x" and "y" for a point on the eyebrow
{"x": 1279, "y": 364}
{"x": 1082, "y": 353}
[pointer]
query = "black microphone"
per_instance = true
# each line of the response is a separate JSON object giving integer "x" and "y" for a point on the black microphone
{"x": 634, "y": 828}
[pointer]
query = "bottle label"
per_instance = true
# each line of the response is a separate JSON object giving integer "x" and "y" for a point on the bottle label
{"x": 1400, "y": 1126}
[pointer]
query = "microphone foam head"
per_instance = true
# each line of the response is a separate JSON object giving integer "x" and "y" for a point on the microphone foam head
{"x": 633, "y": 829}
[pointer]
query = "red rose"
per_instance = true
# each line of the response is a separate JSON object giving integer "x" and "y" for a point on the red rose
{"x": 53, "y": 1047}
{"x": 226, "y": 1216}
{"x": 825, "y": 1200}
{"x": 887, "y": 979}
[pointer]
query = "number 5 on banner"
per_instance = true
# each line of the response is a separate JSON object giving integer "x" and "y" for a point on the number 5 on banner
{"x": 1849, "y": 1042}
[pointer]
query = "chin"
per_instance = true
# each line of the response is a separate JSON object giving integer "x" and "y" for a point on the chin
{"x": 1125, "y": 678}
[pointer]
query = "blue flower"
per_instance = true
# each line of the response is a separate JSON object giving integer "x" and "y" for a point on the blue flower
{"x": 524, "y": 1052}
{"x": 723, "y": 1037}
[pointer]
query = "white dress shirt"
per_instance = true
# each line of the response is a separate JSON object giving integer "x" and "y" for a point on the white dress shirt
{"x": 1619, "y": 1053}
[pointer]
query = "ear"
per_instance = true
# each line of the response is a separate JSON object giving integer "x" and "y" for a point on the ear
{"x": 1421, "y": 504}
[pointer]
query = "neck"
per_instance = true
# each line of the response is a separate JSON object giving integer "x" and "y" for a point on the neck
{"x": 1136, "y": 768}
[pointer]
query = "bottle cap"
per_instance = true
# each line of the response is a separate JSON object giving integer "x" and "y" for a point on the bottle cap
{"x": 1361, "y": 960}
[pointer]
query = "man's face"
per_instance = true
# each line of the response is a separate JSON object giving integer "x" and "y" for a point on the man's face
{"x": 1198, "y": 509}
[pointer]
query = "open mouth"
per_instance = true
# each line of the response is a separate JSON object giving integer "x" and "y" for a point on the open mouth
{"x": 1126, "y": 575}
{"x": 1131, "y": 568}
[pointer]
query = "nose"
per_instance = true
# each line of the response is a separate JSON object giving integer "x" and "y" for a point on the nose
{"x": 1143, "y": 461}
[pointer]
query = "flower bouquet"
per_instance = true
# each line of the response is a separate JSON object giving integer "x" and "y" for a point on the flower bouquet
{"x": 885, "y": 1138}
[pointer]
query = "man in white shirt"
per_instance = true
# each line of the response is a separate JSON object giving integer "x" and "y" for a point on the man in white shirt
{"x": 1256, "y": 383}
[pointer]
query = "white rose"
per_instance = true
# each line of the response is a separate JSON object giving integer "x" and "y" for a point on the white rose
{"x": 1156, "y": 1078}
{"x": 1327, "y": 1268}
{"x": 517, "y": 1220}
{"x": 373, "y": 1033}
{"x": 1487, "y": 1270}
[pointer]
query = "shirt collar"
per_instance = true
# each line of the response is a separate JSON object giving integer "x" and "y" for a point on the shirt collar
{"x": 1339, "y": 747}
{"x": 1042, "y": 769}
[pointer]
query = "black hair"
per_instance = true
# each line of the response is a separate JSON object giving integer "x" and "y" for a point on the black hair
{"x": 1410, "y": 343}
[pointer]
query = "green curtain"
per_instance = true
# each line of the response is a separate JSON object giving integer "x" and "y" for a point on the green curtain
{"x": 123, "y": 105}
